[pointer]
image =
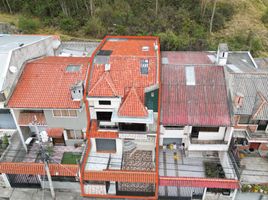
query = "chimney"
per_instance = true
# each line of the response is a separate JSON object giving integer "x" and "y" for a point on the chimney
{"x": 77, "y": 91}
{"x": 238, "y": 100}
{"x": 222, "y": 54}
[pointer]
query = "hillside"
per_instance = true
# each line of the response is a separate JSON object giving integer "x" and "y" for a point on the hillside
{"x": 179, "y": 23}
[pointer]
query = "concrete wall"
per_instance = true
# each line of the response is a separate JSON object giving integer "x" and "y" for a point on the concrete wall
{"x": 172, "y": 133}
{"x": 96, "y": 107}
{"x": 75, "y": 123}
{"x": 19, "y": 56}
{"x": 64, "y": 185}
{"x": 212, "y": 135}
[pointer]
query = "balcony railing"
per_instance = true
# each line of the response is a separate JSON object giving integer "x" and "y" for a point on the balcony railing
{"x": 121, "y": 176}
{"x": 196, "y": 141}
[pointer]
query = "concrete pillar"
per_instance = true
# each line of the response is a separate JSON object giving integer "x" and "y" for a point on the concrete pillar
{"x": 204, "y": 194}
{"x": 18, "y": 129}
{"x": 234, "y": 194}
{"x": 6, "y": 181}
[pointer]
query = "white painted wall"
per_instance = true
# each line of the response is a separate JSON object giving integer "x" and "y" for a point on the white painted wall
{"x": 95, "y": 189}
{"x": 227, "y": 165}
{"x": 212, "y": 135}
{"x": 207, "y": 147}
{"x": 172, "y": 133}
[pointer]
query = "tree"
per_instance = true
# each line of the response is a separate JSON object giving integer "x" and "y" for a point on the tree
{"x": 212, "y": 16}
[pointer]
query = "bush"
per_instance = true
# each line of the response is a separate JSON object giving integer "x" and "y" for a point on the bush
{"x": 264, "y": 18}
{"x": 94, "y": 28}
{"x": 28, "y": 25}
{"x": 68, "y": 24}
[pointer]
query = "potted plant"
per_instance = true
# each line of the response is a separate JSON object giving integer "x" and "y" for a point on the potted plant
{"x": 5, "y": 142}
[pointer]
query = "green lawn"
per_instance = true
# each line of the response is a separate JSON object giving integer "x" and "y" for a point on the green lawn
{"x": 70, "y": 157}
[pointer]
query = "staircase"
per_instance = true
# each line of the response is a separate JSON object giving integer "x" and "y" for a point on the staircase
{"x": 129, "y": 146}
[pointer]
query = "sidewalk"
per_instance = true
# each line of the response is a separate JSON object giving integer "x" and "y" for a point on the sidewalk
{"x": 36, "y": 194}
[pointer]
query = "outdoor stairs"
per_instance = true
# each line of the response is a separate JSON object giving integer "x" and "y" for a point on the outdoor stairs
{"x": 129, "y": 146}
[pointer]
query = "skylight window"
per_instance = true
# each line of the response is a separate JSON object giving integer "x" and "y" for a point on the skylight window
{"x": 144, "y": 66}
{"x": 73, "y": 68}
{"x": 190, "y": 75}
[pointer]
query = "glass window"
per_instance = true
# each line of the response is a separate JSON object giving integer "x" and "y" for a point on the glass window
{"x": 104, "y": 102}
{"x": 64, "y": 113}
{"x": 57, "y": 113}
{"x": 144, "y": 66}
{"x": 73, "y": 113}
{"x": 244, "y": 119}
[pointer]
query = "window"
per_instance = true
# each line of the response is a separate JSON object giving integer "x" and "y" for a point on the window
{"x": 262, "y": 125}
{"x": 104, "y": 116}
{"x": 174, "y": 127}
{"x": 144, "y": 66}
{"x": 105, "y": 145}
{"x": 64, "y": 113}
{"x": 244, "y": 119}
{"x": 104, "y": 102}
{"x": 132, "y": 127}
{"x": 73, "y": 68}
{"x": 74, "y": 134}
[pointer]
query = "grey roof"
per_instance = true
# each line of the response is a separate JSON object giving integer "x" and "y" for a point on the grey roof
{"x": 239, "y": 62}
{"x": 254, "y": 87}
{"x": 262, "y": 64}
{"x": 8, "y": 43}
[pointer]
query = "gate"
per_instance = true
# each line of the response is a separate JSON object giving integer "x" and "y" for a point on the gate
{"x": 24, "y": 180}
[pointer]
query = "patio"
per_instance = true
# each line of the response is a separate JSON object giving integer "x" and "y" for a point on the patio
{"x": 140, "y": 160}
{"x": 55, "y": 152}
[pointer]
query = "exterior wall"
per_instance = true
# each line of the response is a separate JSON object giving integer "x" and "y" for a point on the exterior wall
{"x": 64, "y": 185}
{"x": 95, "y": 189}
{"x": 6, "y": 121}
{"x": 95, "y": 106}
{"x": 75, "y": 123}
{"x": 20, "y": 55}
{"x": 172, "y": 133}
{"x": 208, "y": 147}
{"x": 212, "y": 135}
{"x": 151, "y": 100}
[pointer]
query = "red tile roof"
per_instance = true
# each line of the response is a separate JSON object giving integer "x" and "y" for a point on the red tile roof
{"x": 104, "y": 87}
{"x": 198, "y": 182}
{"x": 202, "y": 104}
{"x": 55, "y": 132}
{"x": 45, "y": 83}
{"x": 132, "y": 105}
{"x": 186, "y": 57}
{"x": 125, "y": 72}
{"x": 28, "y": 118}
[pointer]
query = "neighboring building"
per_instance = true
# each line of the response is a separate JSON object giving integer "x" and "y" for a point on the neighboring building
{"x": 49, "y": 93}
{"x": 196, "y": 127}
{"x": 122, "y": 99}
{"x": 15, "y": 51}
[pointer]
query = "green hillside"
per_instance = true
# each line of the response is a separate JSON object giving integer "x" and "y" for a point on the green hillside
{"x": 181, "y": 24}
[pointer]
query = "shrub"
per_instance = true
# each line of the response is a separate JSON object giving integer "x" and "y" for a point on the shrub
{"x": 264, "y": 18}
{"x": 68, "y": 24}
{"x": 28, "y": 25}
{"x": 94, "y": 28}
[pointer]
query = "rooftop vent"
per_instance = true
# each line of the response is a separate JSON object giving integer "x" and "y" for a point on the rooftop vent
{"x": 190, "y": 75}
{"x": 107, "y": 67}
{"x": 73, "y": 68}
{"x": 145, "y": 48}
{"x": 77, "y": 91}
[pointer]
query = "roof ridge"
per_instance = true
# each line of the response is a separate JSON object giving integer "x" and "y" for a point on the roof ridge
{"x": 124, "y": 105}
{"x": 264, "y": 101}
{"x": 108, "y": 79}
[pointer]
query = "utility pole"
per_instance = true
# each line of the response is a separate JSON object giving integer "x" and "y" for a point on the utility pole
{"x": 45, "y": 158}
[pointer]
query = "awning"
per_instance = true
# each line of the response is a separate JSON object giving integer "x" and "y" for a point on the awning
{"x": 55, "y": 132}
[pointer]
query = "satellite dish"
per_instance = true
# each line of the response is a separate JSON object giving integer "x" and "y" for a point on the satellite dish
{"x": 13, "y": 69}
{"x": 55, "y": 44}
{"x": 44, "y": 136}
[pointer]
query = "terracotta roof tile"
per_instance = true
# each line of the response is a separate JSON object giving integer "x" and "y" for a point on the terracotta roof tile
{"x": 104, "y": 86}
{"x": 28, "y": 118}
{"x": 125, "y": 62}
{"x": 45, "y": 83}
{"x": 55, "y": 132}
{"x": 132, "y": 105}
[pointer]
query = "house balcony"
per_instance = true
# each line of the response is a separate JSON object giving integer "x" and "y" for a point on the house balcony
{"x": 130, "y": 171}
{"x": 192, "y": 173}
{"x": 207, "y": 145}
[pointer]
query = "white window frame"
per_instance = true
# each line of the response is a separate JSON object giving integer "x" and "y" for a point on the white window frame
{"x": 75, "y": 134}
{"x": 64, "y": 116}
